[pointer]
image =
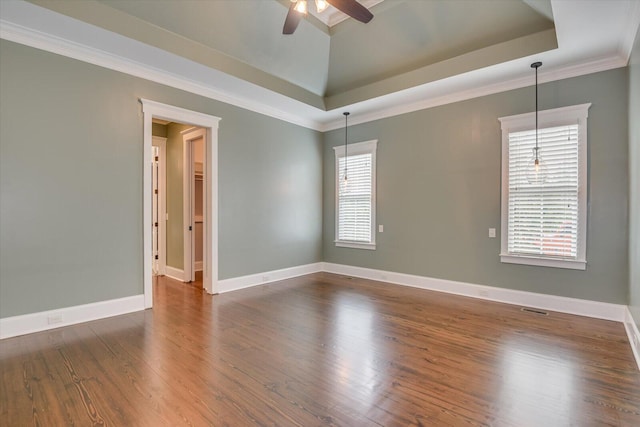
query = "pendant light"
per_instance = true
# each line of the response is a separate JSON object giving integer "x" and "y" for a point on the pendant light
{"x": 536, "y": 170}
{"x": 345, "y": 179}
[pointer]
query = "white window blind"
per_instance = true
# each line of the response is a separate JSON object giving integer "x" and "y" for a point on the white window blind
{"x": 543, "y": 216}
{"x": 544, "y": 221}
{"x": 356, "y": 197}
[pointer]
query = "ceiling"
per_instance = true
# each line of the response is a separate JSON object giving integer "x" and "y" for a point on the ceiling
{"x": 413, "y": 54}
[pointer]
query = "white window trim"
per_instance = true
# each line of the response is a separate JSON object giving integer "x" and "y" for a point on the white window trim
{"x": 355, "y": 149}
{"x": 547, "y": 118}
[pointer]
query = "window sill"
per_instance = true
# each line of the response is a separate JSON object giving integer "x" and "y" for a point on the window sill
{"x": 544, "y": 262}
{"x": 355, "y": 245}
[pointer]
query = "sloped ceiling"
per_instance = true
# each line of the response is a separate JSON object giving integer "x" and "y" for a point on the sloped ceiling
{"x": 329, "y": 68}
{"x": 248, "y": 31}
{"x": 411, "y": 52}
{"x": 415, "y": 34}
{"x": 404, "y": 36}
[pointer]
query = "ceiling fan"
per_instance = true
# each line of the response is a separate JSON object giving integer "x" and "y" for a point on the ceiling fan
{"x": 298, "y": 9}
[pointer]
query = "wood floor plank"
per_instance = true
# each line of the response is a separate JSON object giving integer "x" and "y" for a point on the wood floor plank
{"x": 322, "y": 350}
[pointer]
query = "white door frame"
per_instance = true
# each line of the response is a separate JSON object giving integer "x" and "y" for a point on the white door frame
{"x": 153, "y": 109}
{"x": 161, "y": 143}
{"x": 188, "y": 201}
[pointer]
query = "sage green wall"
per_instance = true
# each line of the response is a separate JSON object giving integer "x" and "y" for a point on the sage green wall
{"x": 634, "y": 180}
{"x": 159, "y": 130}
{"x": 71, "y": 183}
{"x": 438, "y": 176}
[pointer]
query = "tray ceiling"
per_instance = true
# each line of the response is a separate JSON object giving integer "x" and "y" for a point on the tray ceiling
{"x": 413, "y": 54}
{"x": 329, "y": 66}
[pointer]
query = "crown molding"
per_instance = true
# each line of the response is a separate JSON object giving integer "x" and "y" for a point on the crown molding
{"x": 263, "y": 101}
{"x": 596, "y": 66}
{"x": 71, "y": 49}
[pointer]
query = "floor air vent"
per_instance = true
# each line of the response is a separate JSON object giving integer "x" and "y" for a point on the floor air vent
{"x": 534, "y": 310}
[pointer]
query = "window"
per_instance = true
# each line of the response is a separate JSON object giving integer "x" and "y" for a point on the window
{"x": 356, "y": 197}
{"x": 544, "y": 221}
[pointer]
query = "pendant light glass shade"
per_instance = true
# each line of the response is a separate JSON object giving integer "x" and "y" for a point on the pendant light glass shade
{"x": 537, "y": 170}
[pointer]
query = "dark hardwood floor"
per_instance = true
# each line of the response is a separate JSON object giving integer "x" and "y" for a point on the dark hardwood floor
{"x": 322, "y": 350}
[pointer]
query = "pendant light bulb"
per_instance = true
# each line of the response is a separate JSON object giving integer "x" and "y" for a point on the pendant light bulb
{"x": 537, "y": 172}
{"x": 301, "y": 6}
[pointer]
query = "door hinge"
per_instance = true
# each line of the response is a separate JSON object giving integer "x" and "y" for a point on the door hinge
{"x": 156, "y": 256}
{"x": 155, "y": 191}
{"x": 157, "y": 158}
{"x": 190, "y": 228}
{"x": 155, "y": 224}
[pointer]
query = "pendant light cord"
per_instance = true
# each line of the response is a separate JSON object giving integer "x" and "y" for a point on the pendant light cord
{"x": 536, "y": 113}
{"x": 536, "y": 65}
{"x": 346, "y": 114}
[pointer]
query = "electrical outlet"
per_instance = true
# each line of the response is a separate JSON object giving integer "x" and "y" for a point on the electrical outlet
{"x": 54, "y": 318}
{"x": 492, "y": 232}
{"x": 380, "y": 228}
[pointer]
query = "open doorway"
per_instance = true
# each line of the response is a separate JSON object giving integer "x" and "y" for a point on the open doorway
{"x": 159, "y": 204}
{"x": 194, "y": 165}
{"x": 209, "y": 127}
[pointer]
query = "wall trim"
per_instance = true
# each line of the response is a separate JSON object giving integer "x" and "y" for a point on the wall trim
{"x": 174, "y": 273}
{"x": 57, "y": 318}
{"x": 591, "y": 67}
{"x": 580, "y": 307}
{"x": 313, "y": 118}
{"x": 156, "y": 110}
{"x": 51, "y": 319}
{"x": 92, "y": 55}
{"x": 188, "y": 202}
{"x": 576, "y": 306}
{"x": 161, "y": 262}
{"x": 242, "y": 282}
{"x": 633, "y": 334}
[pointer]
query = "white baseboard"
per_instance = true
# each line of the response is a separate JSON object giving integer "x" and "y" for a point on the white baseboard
{"x": 197, "y": 265}
{"x": 35, "y": 322}
{"x": 174, "y": 273}
{"x": 599, "y": 310}
{"x": 51, "y": 319}
{"x": 633, "y": 334}
{"x": 236, "y": 283}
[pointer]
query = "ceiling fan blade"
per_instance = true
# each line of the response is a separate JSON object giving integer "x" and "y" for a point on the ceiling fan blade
{"x": 353, "y": 9}
{"x": 292, "y": 20}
